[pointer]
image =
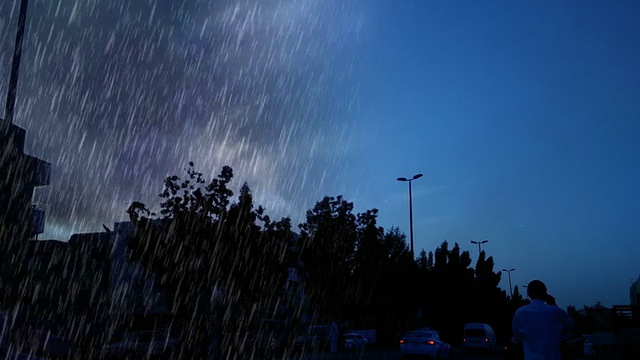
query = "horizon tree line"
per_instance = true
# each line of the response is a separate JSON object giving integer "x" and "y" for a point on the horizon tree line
{"x": 224, "y": 265}
{"x": 354, "y": 272}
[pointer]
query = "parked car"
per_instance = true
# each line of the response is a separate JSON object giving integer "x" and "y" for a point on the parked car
{"x": 370, "y": 334}
{"x": 425, "y": 342}
{"x": 478, "y": 336}
{"x": 354, "y": 341}
{"x": 141, "y": 344}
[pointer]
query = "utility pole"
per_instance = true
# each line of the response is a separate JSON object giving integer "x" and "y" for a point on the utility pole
{"x": 15, "y": 63}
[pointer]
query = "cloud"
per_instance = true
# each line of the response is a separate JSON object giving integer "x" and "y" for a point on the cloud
{"x": 118, "y": 95}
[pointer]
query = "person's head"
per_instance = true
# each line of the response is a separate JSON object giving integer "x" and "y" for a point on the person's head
{"x": 537, "y": 290}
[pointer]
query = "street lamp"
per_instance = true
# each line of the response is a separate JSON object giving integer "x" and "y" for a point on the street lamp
{"x": 509, "y": 272}
{"x": 15, "y": 62}
{"x": 479, "y": 245}
{"x": 416, "y": 176}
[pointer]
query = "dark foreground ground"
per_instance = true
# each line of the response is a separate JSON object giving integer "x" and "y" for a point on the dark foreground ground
{"x": 380, "y": 354}
{"x": 395, "y": 354}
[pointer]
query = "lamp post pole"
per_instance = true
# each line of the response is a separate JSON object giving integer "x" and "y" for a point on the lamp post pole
{"x": 416, "y": 176}
{"x": 15, "y": 63}
{"x": 509, "y": 272}
{"x": 479, "y": 245}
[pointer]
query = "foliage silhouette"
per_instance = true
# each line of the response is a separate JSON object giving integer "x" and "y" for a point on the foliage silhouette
{"x": 327, "y": 249}
{"x": 219, "y": 262}
{"x": 224, "y": 265}
{"x": 355, "y": 271}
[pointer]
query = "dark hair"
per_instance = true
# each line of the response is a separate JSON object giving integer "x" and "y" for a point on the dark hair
{"x": 537, "y": 290}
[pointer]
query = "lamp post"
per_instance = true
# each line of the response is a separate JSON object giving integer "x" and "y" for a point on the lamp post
{"x": 15, "y": 63}
{"x": 509, "y": 272}
{"x": 479, "y": 245}
{"x": 416, "y": 176}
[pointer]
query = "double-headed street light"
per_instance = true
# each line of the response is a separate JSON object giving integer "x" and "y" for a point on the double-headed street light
{"x": 479, "y": 245}
{"x": 416, "y": 176}
{"x": 509, "y": 272}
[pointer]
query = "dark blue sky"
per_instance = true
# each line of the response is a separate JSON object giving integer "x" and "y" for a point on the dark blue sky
{"x": 523, "y": 116}
{"x": 525, "y": 119}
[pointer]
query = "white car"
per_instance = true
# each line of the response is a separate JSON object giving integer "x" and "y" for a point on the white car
{"x": 353, "y": 341}
{"x": 478, "y": 336}
{"x": 425, "y": 342}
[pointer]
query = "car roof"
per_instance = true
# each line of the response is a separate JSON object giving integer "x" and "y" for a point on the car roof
{"x": 476, "y": 326}
{"x": 421, "y": 333}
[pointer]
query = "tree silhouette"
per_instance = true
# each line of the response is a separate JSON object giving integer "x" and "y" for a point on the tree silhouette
{"x": 327, "y": 248}
{"x": 367, "y": 266}
{"x": 396, "y": 294}
{"x": 216, "y": 263}
{"x": 449, "y": 285}
{"x": 517, "y": 298}
{"x": 355, "y": 270}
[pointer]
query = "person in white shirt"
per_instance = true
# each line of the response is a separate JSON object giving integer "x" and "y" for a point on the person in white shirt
{"x": 541, "y": 325}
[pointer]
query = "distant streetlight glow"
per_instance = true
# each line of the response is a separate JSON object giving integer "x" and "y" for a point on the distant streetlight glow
{"x": 416, "y": 176}
{"x": 509, "y": 272}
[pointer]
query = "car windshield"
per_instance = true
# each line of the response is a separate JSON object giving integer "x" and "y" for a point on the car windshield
{"x": 474, "y": 333}
{"x": 420, "y": 334}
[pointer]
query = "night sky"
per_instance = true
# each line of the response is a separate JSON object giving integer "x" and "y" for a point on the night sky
{"x": 524, "y": 118}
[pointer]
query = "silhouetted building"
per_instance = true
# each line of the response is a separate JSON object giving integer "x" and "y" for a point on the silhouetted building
{"x": 634, "y": 292}
{"x": 89, "y": 259}
{"x": 55, "y": 279}
{"x": 37, "y": 282}
{"x": 132, "y": 290}
{"x": 20, "y": 174}
{"x": 88, "y": 280}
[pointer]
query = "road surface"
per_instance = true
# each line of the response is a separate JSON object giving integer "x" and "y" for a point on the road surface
{"x": 384, "y": 354}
